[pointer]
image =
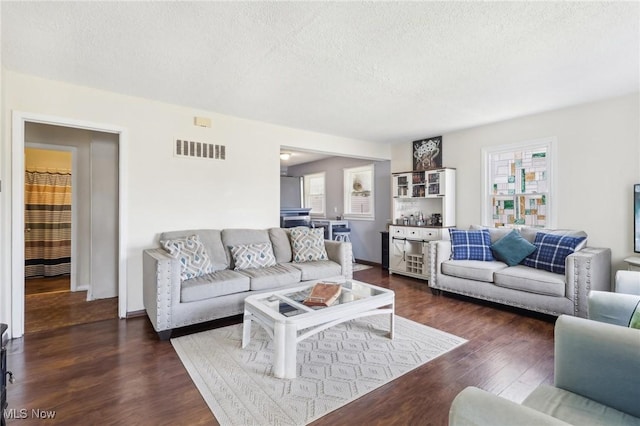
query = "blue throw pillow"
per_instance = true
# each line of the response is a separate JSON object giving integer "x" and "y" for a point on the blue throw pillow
{"x": 551, "y": 252}
{"x": 512, "y": 248}
{"x": 470, "y": 245}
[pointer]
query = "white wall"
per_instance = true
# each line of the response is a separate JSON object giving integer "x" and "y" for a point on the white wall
{"x": 164, "y": 192}
{"x": 104, "y": 216}
{"x": 598, "y": 163}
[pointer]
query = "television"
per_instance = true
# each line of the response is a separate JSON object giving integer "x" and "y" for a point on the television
{"x": 636, "y": 218}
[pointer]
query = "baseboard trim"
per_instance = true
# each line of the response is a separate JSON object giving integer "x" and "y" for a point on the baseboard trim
{"x": 367, "y": 262}
{"x": 136, "y": 314}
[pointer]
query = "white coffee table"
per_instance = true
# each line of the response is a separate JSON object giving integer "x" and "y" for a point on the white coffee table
{"x": 284, "y": 317}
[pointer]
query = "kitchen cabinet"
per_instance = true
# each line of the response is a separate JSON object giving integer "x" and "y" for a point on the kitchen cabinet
{"x": 409, "y": 249}
{"x": 427, "y": 194}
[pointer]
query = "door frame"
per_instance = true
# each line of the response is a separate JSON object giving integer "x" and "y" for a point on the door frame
{"x": 19, "y": 119}
{"x": 74, "y": 203}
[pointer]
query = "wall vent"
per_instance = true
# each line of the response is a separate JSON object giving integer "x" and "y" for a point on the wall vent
{"x": 193, "y": 149}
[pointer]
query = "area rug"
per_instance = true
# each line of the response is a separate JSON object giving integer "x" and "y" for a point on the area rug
{"x": 360, "y": 267}
{"x": 334, "y": 367}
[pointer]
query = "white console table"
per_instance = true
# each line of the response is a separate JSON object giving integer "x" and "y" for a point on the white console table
{"x": 633, "y": 263}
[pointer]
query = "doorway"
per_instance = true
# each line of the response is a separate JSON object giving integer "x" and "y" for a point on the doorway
{"x": 116, "y": 275}
{"x": 57, "y": 205}
{"x": 52, "y": 297}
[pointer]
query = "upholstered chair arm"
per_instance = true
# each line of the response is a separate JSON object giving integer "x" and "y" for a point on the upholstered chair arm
{"x": 475, "y": 406}
{"x": 627, "y": 282}
{"x": 340, "y": 252}
{"x": 439, "y": 251}
{"x": 612, "y": 308}
{"x": 161, "y": 286}
{"x": 598, "y": 361}
{"x": 586, "y": 270}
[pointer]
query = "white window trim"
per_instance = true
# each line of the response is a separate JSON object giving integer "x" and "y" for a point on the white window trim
{"x": 347, "y": 184}
{"x": 307, "y": 187}
{"x": 551, "y": 145}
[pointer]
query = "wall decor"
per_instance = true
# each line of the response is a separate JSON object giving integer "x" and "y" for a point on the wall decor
{"x": 427, "y": 153}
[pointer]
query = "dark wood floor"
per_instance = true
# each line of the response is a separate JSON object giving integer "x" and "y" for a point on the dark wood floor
{"x": 114, "y": 372}
{"x": 47, "y": 284}
{"x": 49, "y": 304}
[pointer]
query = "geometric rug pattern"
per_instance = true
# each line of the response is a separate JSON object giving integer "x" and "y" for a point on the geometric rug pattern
{"x": 360, "y": 267}
{"x": 334, "y": 367}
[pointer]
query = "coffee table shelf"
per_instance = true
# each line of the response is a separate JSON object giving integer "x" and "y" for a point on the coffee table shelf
{"x": 288, "y": 321}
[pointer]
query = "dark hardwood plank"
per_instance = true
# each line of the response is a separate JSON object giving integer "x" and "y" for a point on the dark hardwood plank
{"x": 118, "y": 372}
{"x": 47, "y": 285}
{"x": 48, "y": 311}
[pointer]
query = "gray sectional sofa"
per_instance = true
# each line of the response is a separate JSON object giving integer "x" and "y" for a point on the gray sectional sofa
{"x": 522, "y": 286}
{"x": 172, "y": 301}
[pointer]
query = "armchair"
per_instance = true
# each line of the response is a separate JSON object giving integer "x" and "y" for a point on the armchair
{"x": 627, "y": 282}
{"x": 597, "y": 380}
{"x": 616, "y": 308}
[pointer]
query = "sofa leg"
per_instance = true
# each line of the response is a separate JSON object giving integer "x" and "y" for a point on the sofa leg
{"x": 165, "y": 334}
{"x": 436, "y": 292}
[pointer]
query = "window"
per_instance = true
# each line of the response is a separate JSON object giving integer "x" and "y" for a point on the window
{"x": 518, "y": 184}
{"x": 358, "y": 192}
{"x": 314, "y": 195}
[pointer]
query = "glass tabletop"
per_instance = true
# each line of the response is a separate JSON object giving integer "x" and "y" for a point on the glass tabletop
{"x": 291, "y": 303}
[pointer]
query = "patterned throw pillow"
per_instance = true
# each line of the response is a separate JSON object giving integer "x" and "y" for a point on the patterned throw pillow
{"x": 307, "y": 244}
{"x": 470, "y": 245}
{"x": 194, "y": 260}
{"x": 257, "y": 255}
{"x": 551, "y": 252}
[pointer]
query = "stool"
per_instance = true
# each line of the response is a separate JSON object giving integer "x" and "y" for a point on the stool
{"x": 343, "y": 234}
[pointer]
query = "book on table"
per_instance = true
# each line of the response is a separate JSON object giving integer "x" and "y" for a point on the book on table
{"x": 323, "y": 294}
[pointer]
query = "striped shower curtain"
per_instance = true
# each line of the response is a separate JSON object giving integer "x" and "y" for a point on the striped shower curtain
{"x": 47, "y": 224}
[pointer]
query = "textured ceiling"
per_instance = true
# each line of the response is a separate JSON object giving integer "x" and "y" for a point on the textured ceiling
{"x": 375, "y": 71}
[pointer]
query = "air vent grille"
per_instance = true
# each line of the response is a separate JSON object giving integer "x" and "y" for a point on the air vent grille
{"x": 193, "y": 149}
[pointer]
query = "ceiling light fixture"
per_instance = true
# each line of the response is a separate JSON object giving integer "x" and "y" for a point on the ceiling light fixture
{"x": 285, "y": 156}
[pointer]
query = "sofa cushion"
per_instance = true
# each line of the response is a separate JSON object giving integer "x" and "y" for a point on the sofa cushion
{"x": 494, "y": 233}
{"x": 531, "y": 280}
{"x": 281, "y": 244}
{"x": 272, "y": 277}
{"x": 551, "y": 252}
{"x": 318, "y": 269}
{"x": 470, "y": 244}
{"x": 216, "y": 284}
{"x": 190, "y": 252}
{"x": 472, "y": 269}
{"x": 307, "y": 244}
{"x": 212, "y": 240}
{"x": 236, "y": 237}
{"x": 257, "y": 255}
{"x": 575, "y": 409}
{"x": 512, "y": 248}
